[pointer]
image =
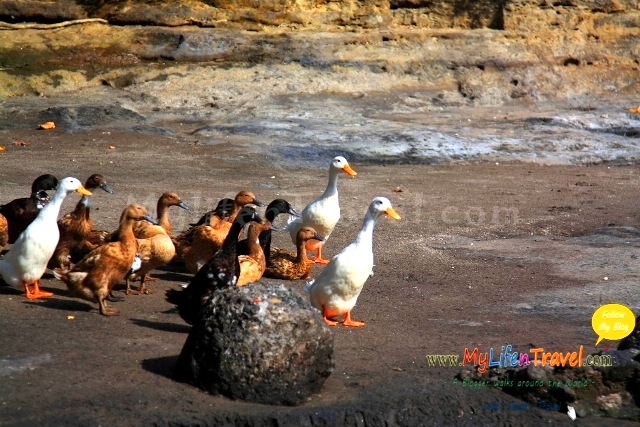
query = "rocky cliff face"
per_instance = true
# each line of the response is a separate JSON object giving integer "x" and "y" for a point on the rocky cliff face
{"x": 522, "y": 15}
{"x": 451, "y": 53}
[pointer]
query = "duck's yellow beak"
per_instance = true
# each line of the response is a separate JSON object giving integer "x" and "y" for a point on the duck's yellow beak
{"x": 83, "y": 191}
{"x": 349, "y": 170}
{"x": 392, "y": 213}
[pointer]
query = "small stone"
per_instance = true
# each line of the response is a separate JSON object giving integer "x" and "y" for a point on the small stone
{"x": 609, "y": 402}
{"x": 536, "y": 373}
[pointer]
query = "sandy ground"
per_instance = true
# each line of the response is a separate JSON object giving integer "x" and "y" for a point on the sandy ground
{"x": 486, "y": 254}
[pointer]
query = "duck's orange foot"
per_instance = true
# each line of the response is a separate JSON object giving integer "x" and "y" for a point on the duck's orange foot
{"x": 105, "y": 310}
{"x": 144, "y": 290}
{"x": 329, "y": 322}
{"x": 353, "y": 323}
{"x": 130, "y": 290}
{"x": 318, "y": 257}
{"x": 327, "y": 313}
{"x": 348, "y": 321}
{"x": 36, "y": 292}
{"x": 109, "y": 311}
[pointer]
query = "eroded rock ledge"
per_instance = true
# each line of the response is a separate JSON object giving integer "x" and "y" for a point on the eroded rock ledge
{"x": 524, "y": 15}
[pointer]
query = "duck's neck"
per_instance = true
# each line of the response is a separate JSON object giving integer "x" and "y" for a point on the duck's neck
{"x": 301, "y": 256}
{"x": 86, "y": 201}
{"x": 125, "y": 231}
{"x": 265, "y": 243}
{"x": 265, "y": 235}
{"x": 163, "y": 217}
{"x": 252, "y": 238}
{"x": 84, "y": 206}
{"x": 54, "y": 205}
{"x": 365, "y": 235}
{"x": 234, "y": 212}
{"x": 332, "y": 185}
{"x": 231, "y": 241}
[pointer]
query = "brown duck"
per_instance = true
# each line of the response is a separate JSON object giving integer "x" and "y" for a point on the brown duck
{"x": 207, "y": 239}
{"x": 155, "y": 246}
{"x": 94, "y": 276}
{"x": 75, "y": 228}
{"x": 253, "y": 264}
{"x": 284, "y": 265}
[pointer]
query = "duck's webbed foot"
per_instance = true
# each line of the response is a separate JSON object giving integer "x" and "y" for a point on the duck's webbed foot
{"x": 325, "y": 316}
{"x": 105, "y": 310}
{"x": 348, "y": 321}
{"x": 36, "y": 293}
{"x": 130, "y": 290}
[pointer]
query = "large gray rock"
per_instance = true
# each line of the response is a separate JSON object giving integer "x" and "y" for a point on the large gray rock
{"x": 262, "y": 343}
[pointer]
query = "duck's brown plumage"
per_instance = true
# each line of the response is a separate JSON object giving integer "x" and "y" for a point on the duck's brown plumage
{"x": 155, "y": 246}
{"x": 19, "y": 213}
{"x": 252, "y": 265}
{"x": 284, "y": 265}
{"x": 75, "y": 228}
{"x": 184, "y": 240}
{"x": 4, "y": 232}
{"x": 165, "y": 201}
{"x": 94, "y": 276}
{"x": 242, "y": 199}
{"x": 220, "y": 271}
{"x": 207, "y": 239}
{"x": 275, "y": 208}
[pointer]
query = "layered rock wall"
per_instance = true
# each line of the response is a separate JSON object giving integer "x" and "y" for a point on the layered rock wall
{"x": 524, "y": 15}
{"x": 484, "y": 52}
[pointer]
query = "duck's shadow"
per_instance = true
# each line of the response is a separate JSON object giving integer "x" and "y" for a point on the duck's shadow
{"x": 10, "y": 290}
{"x": 172, "y": 274}
{"x": 162, "y": 326}
{"x": 62, "y": 304}
{"x": 164, "y": 366}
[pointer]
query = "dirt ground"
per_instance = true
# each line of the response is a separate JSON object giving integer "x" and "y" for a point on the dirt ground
{"x": 479, "y": 245}
{"x": 62, "y": 363}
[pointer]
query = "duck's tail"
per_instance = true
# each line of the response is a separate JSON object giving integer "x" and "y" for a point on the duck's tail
{"x": 308, "y": 285}
{"x": 184, "y": 303}
{"x": 75, "y": 283}
{"x": 60, "y": 273}
{"x": 175, "y": 296}
{"x": 4, "y": 273}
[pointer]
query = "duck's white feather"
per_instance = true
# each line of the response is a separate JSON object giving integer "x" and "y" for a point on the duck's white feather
{"x": 323, "y": 213}
{"x": 27, "y": 260}
{"x": 339, "y": 284}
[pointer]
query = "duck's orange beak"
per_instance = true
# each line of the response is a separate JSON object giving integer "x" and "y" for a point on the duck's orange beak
{"x": 83, "y": 191}
{"x": 349, "y": 170}
{"x": 392, "y": 213}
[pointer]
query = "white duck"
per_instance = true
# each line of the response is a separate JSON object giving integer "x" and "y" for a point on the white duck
{"x": 27, "y": 260}
{"x": 323, "y": 213}
{"x": 335, "y": 291}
